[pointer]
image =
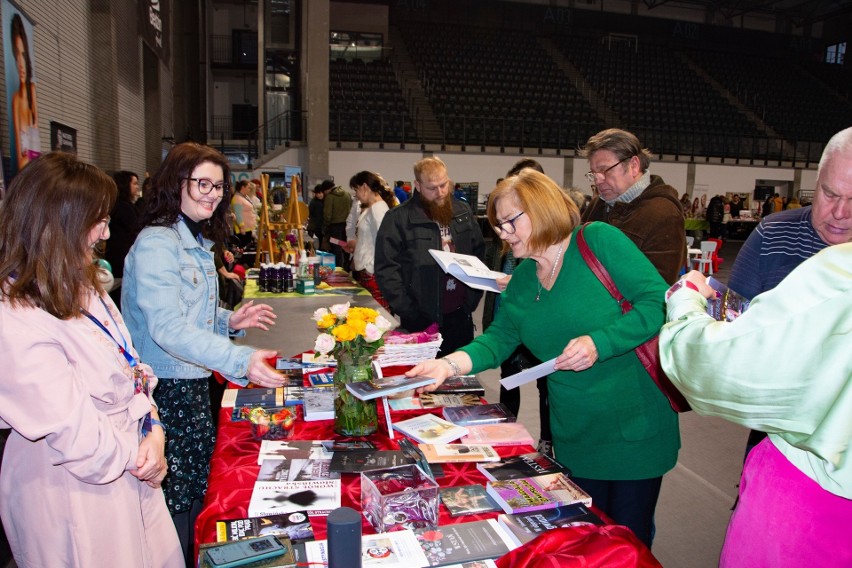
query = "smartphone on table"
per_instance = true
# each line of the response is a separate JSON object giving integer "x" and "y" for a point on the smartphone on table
{"x": 242, "y": 552}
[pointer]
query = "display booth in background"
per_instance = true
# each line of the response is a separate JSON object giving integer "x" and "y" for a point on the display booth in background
{"x": 21, "y": 99}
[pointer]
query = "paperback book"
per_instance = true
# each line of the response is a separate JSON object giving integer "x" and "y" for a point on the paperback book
{"x": 321, "y": 379}
{"x": 407, "y": 403}
{"x": 523, "y": 527}
{"x": 526, "y": 465}
{"x": 536, "y": 493}
{"x": 480, "y": 414}
{"x": 399, "y": 549}
{"x": 356, "y": 461}
{"x": 296, "y": 469}
{"x": 430, "y": 429}
{"x": 439, "y": 400}
{"x": 291, "y": 449}
{"x": 467, "y": 500}
{"x": 464, "y": 542}
{"x": 461, "y": 384}
{"x": 318, "y": 497}
{"x": 386, "y": 386}
{"x": 266, "y": 398}
{"x": 319, "y": 404}
{"x": 727, "y": 305}
{"x": 459, "y": 453}
{"x": 469, "y": 269}
{"x": 295, "y": 526}
{"x": 503, "y": 434}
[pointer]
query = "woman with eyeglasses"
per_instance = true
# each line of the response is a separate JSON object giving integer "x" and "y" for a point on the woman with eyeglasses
{"x": 83, "y": 464}
{"x": 170, "y": 301}
{"x": 610, "y": 423}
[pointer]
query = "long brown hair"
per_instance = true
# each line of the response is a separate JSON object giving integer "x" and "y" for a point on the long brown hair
{"x": 168, "y": 183}
{"x": 49, "y": 210}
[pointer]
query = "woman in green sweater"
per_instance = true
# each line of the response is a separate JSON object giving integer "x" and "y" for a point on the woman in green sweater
{"x": 610, "y": 423}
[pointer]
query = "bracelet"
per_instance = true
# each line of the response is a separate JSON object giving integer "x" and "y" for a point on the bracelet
{"x": 155, "y": 422}
{"x": 453, "y": 366}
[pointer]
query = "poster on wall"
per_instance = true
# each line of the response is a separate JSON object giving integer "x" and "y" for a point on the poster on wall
{"x": 154, "y": 26}
{"x": 63, "y": 138}
{"x": 21, "y": 101}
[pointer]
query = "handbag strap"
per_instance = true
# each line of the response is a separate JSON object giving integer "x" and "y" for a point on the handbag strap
{"x": 600, "y": 271}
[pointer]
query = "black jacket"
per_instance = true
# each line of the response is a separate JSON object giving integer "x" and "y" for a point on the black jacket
{"x": 406, "y": 273}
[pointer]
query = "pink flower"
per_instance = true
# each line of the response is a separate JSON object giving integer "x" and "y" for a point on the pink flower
{"x": 319, "y": 314}
{"x": 372, "y": 333}
{"x": 340, "y": 310}
{"x": 324, "y": 343}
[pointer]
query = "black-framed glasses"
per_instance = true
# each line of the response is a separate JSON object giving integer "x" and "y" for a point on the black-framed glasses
{"x": 206, "y": 185}
{"x": 591, "y": 174}
{"x": 510, "y": 230}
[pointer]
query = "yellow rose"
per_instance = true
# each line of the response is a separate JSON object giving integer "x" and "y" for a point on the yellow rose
{"x": 366, "y": 314}
{"x": 359, "y": 326}
{"x": 344, "y": 332}
{"x": 327, "y": 321}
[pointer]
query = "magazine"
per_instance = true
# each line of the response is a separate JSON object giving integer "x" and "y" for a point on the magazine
{"x": 469, "y": 269}
{"x": 535, "y": 493}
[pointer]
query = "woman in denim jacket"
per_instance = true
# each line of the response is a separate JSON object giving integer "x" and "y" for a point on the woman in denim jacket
{"x": 170, "y": 303}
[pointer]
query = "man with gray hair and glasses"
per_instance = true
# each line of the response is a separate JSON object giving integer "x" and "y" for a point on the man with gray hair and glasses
{"x": 642, "y": 205}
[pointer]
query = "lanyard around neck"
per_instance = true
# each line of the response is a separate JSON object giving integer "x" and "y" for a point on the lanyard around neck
{"x": 123, "y": 349}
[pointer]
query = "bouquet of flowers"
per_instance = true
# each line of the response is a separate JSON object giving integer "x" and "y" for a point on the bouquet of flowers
{"x": 355, "y": 331}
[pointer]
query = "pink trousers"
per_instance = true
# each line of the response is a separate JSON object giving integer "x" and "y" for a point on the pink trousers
{"x": 785, "y": 519}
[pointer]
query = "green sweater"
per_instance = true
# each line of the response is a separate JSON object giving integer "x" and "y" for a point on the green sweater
{"x": 610, "y": 421}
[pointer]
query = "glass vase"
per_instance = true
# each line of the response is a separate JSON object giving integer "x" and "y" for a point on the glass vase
{"x": 353, "y": 416}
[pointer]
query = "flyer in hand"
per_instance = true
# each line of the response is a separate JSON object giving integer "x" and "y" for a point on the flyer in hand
{"x": 469, "y": 269}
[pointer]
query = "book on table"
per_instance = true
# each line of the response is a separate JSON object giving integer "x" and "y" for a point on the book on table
{"x": 317, "y": 497}
{"x": 502, "y": 434}
{"x": 469, "y": 269}
{"x": 296, "y": 469}
{"x": 467, "y": 500}
{"x": 407, "y": 403}
{"x": 296, "y": 526}
{"x": 464, "y": 542}
{"x": 468, "y": 384}
{"x": 536, "y": 493}
{"x": 477, "y": 415}
{"x": 321, "y": 380}
{"x": 459, "y": 453}
{"x": 525, "y": 465}
{"x": 356, "y": 461}
{"x": 440, "y": 400}
{"x": 319, "y": 404}
{"x": 386, "y": 386}
{"x": 524, "y": 527}
{"x": 399, "y": 549}
{"x": 430, "y": 429}
{"x": 292, "y": 449}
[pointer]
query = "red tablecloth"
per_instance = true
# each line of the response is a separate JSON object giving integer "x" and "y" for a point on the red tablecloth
{"x": 234, "y": 469}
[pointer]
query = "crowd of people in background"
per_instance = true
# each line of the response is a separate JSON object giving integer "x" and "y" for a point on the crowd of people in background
{"x": 131, "y": 452}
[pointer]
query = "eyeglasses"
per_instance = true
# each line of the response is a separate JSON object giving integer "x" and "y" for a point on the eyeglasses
{"x": 510, "y": 230}
{"x": 205, "y": 186}
{"x": 591, "y": 175}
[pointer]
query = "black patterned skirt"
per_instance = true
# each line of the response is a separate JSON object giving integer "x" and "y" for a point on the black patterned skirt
{"x": 184, "y": 407}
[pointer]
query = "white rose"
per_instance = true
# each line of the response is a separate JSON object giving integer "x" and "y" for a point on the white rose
{"x": 372, "y": 333}
{"x": 340, "y": 310}
{"x": 319, "y": 314}
{"x": 383, "y": 324}
{"x": 324, "y": 343}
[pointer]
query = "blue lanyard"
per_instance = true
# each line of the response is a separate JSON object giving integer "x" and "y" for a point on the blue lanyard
{"x": 131, "y": 360}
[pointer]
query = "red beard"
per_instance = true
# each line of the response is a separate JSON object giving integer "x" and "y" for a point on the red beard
{"x": 441, "y": 211}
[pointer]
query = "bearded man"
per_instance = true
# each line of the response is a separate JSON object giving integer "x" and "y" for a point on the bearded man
{"x": 418, "y": 291}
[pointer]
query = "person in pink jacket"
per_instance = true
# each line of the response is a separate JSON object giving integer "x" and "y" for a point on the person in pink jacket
{"x": 83, "y": 464}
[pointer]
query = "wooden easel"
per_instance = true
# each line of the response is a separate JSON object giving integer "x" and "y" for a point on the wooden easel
{"x": 296, "y": 211}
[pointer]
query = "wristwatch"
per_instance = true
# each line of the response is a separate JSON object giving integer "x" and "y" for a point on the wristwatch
{"x": 680, "y": 284}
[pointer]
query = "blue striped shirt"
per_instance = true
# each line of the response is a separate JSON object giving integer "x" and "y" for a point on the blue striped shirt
{"x": 779, "y": 244}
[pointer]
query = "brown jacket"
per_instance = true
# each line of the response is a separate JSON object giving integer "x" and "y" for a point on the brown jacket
{"x": 653, "y": 221}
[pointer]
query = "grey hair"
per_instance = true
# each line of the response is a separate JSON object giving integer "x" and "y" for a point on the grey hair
{"x": 840, "y": 142}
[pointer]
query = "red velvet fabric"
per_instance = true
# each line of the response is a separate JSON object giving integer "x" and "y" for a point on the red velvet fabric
{"x": 610, "y": 546}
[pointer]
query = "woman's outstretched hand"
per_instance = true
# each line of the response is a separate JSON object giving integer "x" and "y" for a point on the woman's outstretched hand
{"x": 252, "y": 315}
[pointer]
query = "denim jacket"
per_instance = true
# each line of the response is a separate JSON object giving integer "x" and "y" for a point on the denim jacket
{"x": 170, "y": 302}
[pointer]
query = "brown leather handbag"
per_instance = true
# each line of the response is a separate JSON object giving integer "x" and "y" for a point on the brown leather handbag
{"x": 648, "y": 352}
